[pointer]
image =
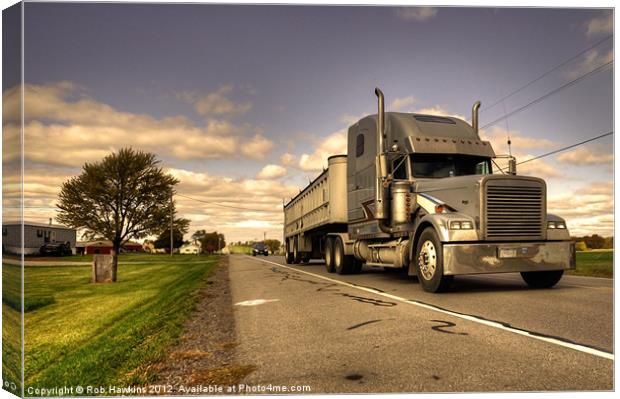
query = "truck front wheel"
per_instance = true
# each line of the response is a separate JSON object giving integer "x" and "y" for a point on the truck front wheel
{"x": 329, "y": 255}
{"x": 544, "y": 279}
{"x": 429, "y": 262}
{"x": 343, "y": 264}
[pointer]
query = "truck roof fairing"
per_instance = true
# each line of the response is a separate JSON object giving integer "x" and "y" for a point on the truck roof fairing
{"x": 430, "y": 134}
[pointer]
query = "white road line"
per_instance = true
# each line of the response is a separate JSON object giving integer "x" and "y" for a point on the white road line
{"x": 488, "y": 323}
{"x": 496, "y": 277}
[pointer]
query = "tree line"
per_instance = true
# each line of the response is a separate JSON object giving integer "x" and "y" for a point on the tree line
{"x": 594, "y": 241}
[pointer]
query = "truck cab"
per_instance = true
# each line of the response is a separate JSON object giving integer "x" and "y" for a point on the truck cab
{"x": 424, "y": 195}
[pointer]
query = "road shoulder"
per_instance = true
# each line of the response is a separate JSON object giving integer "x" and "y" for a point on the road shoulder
{"x": 204, "y": 354}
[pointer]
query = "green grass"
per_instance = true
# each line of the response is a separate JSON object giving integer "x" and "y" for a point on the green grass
{"x": 101, "y": 334}
{"x": 11, "y": 329}
{"x": 240, "y": 249}
{"x": 595, "y": 264}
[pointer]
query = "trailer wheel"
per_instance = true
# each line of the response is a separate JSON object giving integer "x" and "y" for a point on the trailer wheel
{"x": 329, "y": 255}
{"x": 429, "y": 262}
{"x": 342, "y": 263}
{"x": 296, "y": 257}
{"x": 545, "y": 279}
{"x": 289, "y": 254}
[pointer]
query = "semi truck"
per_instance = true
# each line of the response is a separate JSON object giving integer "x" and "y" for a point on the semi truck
{"x": 419, "y": 194}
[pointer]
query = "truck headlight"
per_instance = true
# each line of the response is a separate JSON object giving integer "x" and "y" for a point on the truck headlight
{"x": 461, "y": 225}
{"x": 556, "y": 225}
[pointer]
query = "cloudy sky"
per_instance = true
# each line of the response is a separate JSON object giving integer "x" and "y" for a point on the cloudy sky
{"x": 245, "y": 103}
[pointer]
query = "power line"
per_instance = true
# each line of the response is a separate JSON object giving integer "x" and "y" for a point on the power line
{"x": 551, "y": 93}
{"x": 222, "y": 205}
{"x": 567, "y": 148}
{"x": 555, "y": 68}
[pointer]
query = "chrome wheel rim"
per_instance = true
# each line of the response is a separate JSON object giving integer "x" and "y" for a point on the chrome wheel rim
{"x": 427, "y": 260}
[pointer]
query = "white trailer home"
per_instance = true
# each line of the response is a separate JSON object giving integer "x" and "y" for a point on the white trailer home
{"x": 35, "y": 235}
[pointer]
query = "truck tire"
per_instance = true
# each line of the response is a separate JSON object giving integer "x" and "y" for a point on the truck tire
{"x": 296, "y": 255}
{"x": 288, "y": 255}
{"x": 329, "y": 255}
{"x": 544, "y": 279}
{"x": 429, "y": 262}
{"x": 357, "y": 265}
{"x": 343, "y": 264}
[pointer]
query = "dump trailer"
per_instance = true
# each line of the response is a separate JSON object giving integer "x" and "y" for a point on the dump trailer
{"x": 418, "y": 193}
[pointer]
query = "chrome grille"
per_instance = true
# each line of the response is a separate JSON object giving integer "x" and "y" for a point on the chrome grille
{"x": 515, "y": 211}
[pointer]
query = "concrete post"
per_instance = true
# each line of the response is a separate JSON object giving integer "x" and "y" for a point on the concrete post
{"x": 102, "y": 269}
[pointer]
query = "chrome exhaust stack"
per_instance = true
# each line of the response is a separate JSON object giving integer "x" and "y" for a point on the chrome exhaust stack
{"x": 381, "y": 161}
{"x": 474, "y": 116}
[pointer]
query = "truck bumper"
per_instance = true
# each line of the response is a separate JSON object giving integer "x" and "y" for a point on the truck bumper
{"x": 477, "y": 258}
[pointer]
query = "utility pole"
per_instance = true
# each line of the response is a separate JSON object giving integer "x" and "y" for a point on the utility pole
{"x": 264, "y": 236}
{"x": 171, "y": 224}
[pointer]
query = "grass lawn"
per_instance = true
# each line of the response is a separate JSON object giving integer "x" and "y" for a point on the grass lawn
{"x": 11, "y": 329}
{"x": 595, "y": 264}
{"x": 78, "y": 333}
{"x": 240, "y": 249}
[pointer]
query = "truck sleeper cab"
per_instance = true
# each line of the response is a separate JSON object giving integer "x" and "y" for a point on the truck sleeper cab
{"x": 427, "y": 203}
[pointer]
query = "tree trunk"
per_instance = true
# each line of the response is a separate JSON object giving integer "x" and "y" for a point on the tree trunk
{"x": 115, "y": 251}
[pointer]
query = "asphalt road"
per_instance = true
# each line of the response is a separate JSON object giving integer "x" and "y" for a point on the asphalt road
{"x": 379, "y": 332}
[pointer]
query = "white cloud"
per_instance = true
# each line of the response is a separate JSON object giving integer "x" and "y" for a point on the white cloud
{"x": 537, "y": 168}
{"x": 401, "y": 103}
{"x": 61, "y": 120}
{"x": 600, "y": 26}
{"x": 499, "y": 139}
{"x": 520, "y": 147}
{"x": 348, "y": 119}
{"x": 335, "y": 143}
{"x": 587, "y": 210}
{"x": 215, "y": 104}
{"x": 287, "y": 159}
{"x": 416, "y": 13}
{"x": 242, "y": 202}
{"x": 439, "y": 111}
{"x": 257, "y": 147}
{"x": 591, "y": 61}
{"x": 587, "y": 156}
{"x": 271, "y": 172}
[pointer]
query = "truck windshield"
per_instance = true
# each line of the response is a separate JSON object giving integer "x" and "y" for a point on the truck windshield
{"x": 447, "y": 165}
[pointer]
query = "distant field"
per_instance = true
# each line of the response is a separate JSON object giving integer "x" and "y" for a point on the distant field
{"x": 595, "y": 264}
{"x": 240, "y": 249}
{"x": 78, "y": 333}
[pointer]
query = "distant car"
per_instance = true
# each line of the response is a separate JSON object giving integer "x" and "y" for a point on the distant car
{"x": 260, "y": 249}
{"x": 56, "y": 249}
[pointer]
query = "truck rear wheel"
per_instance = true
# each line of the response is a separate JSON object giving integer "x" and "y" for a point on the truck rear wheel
{"x": 329, "y": 255}
{"x": 544, "y": 279}
{"x": 429, "y": 262}
{"x": 296, "y": 255}
{"x": 343, "y": 264}
{"x": 288, "y": 255}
